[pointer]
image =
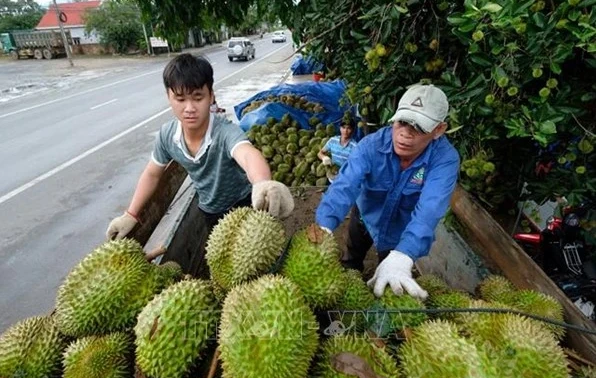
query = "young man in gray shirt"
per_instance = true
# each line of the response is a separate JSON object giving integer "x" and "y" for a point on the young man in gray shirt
{"x": 226, "y": 170}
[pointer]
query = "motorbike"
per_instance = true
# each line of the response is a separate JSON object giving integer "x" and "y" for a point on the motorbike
{"x": 562, "y": 253}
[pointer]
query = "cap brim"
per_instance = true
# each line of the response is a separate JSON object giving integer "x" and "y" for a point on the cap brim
{"x": 412, "y": 117}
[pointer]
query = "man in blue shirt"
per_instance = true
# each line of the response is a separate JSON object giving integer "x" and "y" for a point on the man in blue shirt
{"x": 401, "y": 179}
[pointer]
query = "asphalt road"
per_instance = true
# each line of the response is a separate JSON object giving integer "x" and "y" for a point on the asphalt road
{"x": 70, "y": 159}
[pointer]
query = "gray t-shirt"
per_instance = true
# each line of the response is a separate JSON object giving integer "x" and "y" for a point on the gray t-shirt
{"x": 219, "y": 181}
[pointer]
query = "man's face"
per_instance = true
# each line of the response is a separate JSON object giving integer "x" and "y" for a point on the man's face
{"x": 192, "y": 109}
{"x": 346, "y": 131}
{"x": 409, "y": 143}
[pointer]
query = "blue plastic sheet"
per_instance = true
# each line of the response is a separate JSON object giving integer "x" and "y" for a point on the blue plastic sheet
{"x": 327, "y": 94}
{"x": 305, "y": 66}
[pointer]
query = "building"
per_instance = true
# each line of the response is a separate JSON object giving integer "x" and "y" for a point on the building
{"x": 74, "y": 21}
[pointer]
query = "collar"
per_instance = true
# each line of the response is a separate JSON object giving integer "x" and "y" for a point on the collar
{"x": 386, "y": 147}
{"x": 178, "y": 140}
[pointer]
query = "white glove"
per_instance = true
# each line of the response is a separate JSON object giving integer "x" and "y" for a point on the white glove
{"x": 326, "y": 229}
{"x": 396, "y": 271}
{"x": 273, "y": 197}
{"x": 121, "y": 226}
{"x": 326, "y": 160}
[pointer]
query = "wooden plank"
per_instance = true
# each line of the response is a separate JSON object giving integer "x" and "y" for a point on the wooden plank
{"x": 499, "y": 248}
{"x": 155, "y": 209}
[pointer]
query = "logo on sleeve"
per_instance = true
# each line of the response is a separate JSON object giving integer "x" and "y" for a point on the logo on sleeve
{"x": 418, "y": 177}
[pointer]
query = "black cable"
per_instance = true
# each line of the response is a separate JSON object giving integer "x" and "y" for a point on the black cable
{"x": 481, "y": 310}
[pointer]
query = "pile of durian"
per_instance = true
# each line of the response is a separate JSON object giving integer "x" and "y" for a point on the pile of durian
{"x": 275, "y": 307}
{"x": 292, "y": 152}
{"x": 298, "y": 102}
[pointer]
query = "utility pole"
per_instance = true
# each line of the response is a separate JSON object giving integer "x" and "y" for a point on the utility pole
{"x": 146, "y": 38}
{"x": 64, "y": 40}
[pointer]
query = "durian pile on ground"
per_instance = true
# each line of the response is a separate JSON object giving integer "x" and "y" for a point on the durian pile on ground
{"x": 274, "y": 308}
{"x": 292, "y": 152}
{"x": 299, "y": 102}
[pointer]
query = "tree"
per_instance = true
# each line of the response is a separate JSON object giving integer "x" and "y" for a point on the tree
{"x": 118, "y": 25}
{"x": 19, "y": 15}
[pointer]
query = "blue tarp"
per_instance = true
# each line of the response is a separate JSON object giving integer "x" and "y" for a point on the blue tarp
{"x": 304, "y": 66}
{"x": 327, "y": 94}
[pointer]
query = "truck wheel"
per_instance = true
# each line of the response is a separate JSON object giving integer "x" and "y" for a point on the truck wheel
{"x": 230, "y": 58}
{"x": 47, "y": 54}
{"x": 14, "y": 55}
{"x": 38, "y": 54}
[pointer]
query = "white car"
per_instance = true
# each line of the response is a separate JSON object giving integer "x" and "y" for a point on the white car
{"x": 278, "y": 36}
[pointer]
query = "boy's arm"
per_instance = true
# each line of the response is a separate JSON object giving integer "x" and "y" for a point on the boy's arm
{"x": 252, "y": 162}
{"x": 146, "y": 186}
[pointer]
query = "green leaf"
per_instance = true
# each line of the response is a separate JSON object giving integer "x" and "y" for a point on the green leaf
{"x": 555, "y": 68}
{"x": 496, "y": 50}
{"x": 588, "y": 97}
{"x": 574, "y": 15}
{"x": 548, "y": 127}
{"x": 586, "y": 3}
{"x": 401, "y": 9}
{"x": 541, "y": 139}
{"x": 457, "y": 20}
{"x": 468, "y": 27}
{"x": 480, "y": 60}
{"x": 357, "y": 35}
{"x": 492, "y": 7}
{"x": 539, "y": 19}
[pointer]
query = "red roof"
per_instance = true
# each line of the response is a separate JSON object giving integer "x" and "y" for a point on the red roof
{"x": 74, "y": 14}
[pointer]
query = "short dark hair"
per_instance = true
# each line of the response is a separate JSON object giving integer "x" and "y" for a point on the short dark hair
{"x": 186, "y": 73}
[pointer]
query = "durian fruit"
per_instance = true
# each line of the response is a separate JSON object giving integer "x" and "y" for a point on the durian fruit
{"x": 520, "y": 347}
{"x": 99, "y": 357}
{"x": 267, "y": 330}
{"x": 337, "y": 348}
{"x": 313, "y": 264}
{"x": 433, "y": 284}
{"x": 105, "y": 292}
{"x": 354, "y": 305}
{"x": 449, "y": 300}
{"x": 394, "y": 320}
{"x": 435, "y": 349}
{"x": 495, "y": 288}
{"x": 174, "y": 328}
{"x": 539, "y": 304}
{"x": 244, "y": 245}
{"x": 32, "y": 348}
{"x": 168, "y": 273}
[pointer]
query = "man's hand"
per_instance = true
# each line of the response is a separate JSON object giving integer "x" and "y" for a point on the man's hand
{"x": 326, "y": 160}
{"x": 273, "y": 197}
{"x": 121, "y": 226}
{"x": 396, "y": 271}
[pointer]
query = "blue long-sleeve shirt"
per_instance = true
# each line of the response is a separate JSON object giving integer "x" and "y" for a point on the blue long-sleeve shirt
{"x": 400, "y": 208}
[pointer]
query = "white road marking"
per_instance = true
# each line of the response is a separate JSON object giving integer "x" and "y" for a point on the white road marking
{"x": 78, "y": 94}
{"x": 72, "y": 161}
{"x": 104, "y": 104}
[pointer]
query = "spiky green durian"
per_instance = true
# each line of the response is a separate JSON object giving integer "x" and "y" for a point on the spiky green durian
{"x": 356, "y": 301}
{"x": 32, "y": 348}
{"x": 393, "y": 318}
{"x": 435, "y": 350}
{"x": 106, "y": 290}
{"x": 433, "y": 284}
{"x": 495, "y": 288}
{"x": 245, "y": 244}
{"x": 377, "y": 358}
{"x": 450, "y": 300}
{"x": 479, "y": 325}
{"x": 168, "y": 273}
{"x": 313, "y": 264}
{"x": 267, "y": 330}
{"x": 539, "y": 304}
{"x": 521, "y": 347}
{"x": 174, "y": 328}
{"x": 99, "y": 357}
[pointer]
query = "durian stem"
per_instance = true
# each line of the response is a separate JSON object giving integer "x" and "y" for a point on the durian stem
{"x": 214, "y": 361}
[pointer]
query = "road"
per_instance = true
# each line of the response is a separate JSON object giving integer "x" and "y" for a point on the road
{"x": 70, "y": 159}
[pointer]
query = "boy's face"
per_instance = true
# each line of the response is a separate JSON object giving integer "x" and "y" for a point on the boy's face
{"x": 192, "y": 109}
{"x": 346, "y": 131}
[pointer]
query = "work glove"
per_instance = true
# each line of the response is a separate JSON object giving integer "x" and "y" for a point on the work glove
{"x": 119, "y": 227}
{"x": 273, "y": 197}
{"x": 326, "y": 160}
{"x": 396, "y": 271}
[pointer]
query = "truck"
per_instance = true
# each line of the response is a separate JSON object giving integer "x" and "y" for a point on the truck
{"x": 462, "y": 255}
{"x": 38, "y": 44}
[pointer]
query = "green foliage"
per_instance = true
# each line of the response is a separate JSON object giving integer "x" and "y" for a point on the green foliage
{"x": 19, "y": 15}
{"x": 118, "y": 24}
{"x": 519, "y": 76}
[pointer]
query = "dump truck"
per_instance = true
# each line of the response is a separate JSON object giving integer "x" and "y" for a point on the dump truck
{"x": 38, "y": 44}
{"x": 462, "y": 256}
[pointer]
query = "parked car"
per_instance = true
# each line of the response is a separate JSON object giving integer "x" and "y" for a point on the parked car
{"x": 278, "y": 36}
{"x": 240, "y": 48}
